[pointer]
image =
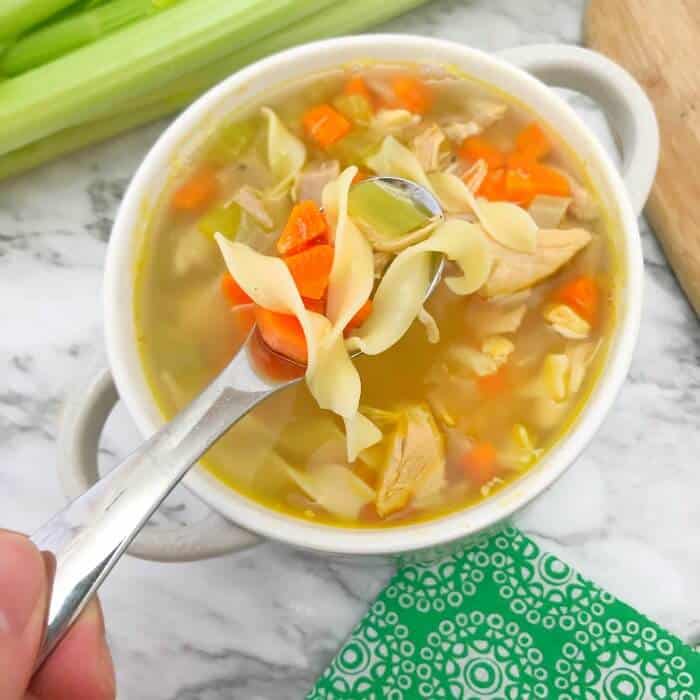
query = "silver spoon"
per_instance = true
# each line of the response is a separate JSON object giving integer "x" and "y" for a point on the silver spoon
{"x": 88, "y": 537}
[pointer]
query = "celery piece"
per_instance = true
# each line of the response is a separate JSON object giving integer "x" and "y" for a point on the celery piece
{"x": 223, "y": 220}
{"x": 384, "y": 211}
{"x": 59, "y": 38}
{"x": 232, "y": 140}
{"x": 111, "y": 117}
{"x": 16, "y": 16}
{"x": 355, "y": 147}
{"x": 355, "y": 107}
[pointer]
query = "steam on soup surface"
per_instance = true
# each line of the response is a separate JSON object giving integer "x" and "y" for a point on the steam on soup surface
{"x": 458, "y": 398}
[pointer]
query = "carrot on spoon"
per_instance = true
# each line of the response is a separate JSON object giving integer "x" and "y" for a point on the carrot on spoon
{"x": 282, "y": 333}
{"x": 233, "y": 292}
{"x": 306, "y": 226}
{"x": 311, "y": 269}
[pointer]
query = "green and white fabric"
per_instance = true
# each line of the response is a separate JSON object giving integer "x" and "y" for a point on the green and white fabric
{"x": 502, "y": 619}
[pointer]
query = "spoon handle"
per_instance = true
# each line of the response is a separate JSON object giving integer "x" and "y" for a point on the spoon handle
{"x": 89, "y": 536}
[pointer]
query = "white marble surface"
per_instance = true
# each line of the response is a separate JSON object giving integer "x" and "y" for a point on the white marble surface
{"x": 264, "y": 623}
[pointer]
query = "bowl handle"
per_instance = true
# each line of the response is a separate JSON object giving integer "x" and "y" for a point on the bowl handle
{"x": 626, "y": 106}
{"x": 84, "y": 417}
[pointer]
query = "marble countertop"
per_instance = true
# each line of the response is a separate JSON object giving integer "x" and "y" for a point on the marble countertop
{"x": 264, "y": 623}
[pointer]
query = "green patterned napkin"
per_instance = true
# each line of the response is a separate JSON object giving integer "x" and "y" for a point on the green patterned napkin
{"x": 503, "y": 619}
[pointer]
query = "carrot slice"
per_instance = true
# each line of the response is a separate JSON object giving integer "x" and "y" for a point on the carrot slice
{"x": 533, "y": 142}
{"x": 233, "y": 293}
{"x": 198, "y": 191}
{"x": 316, "y": 305}
{"x": 518, "y": 160}
{"x": 357, "y": 86}
{"x": 478, "y": 148}
{"x": 494, "y": 185}
{"x": 306, "y": 225}
{"x": 479, "y": 464}
{"x": 310, "y": 269}
{"x": 412, "y": 94}
{"x": 549, "y": 181}
{"x": 493, "y": 385}
{"x": 361, "y": 316}
{"x": 282, "y": 333}
{"x": 325, "y": 125}
{"x": 520, "y": 187}
{"x": 582, "y": 295}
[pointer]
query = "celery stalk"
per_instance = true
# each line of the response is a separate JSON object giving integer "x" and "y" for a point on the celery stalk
{"x": 343, "y": 17}
{"x": 16, "y": 16}
{"x": 58, "y": 38}
{"x": 139, "y": 58}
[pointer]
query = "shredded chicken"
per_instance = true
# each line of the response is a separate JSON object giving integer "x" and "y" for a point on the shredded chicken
{"x": 458, "y": 131}
{"x": 583, "y": 205}
{"x": 249, "y": 200}
{"x": 513, "y": 271}
{"x": 393, "y": 121}
{"x": 489, "y": 318}
{"x": 313, "y": 178}
{"x": 427, "y": 146}
{"x": 415, "y": 461}
{"x": 486, "y": 113}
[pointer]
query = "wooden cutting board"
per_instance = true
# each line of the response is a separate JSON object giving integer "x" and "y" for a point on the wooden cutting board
{"x": 658, "y": 41}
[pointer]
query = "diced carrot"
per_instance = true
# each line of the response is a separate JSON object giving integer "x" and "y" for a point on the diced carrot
{"x": 582, "y": 295}
{"x": 357, "y": 86}
{"x": 520, "y": 187}
{"x": 412, "y": 94}
{"x": 316, "y": 305}
{"x": 518, "y": 160}
{"x": 362, "y": 174}
{"x": 549, "y": 181}
{"x": 325, "y": 125}
{"x": 478, "y": 148}
{"x": 269, "y": 363}
{"x": 233, "y": 293}
{"x": 533, "y": 142}
{"x": 198, "y": 191}
{"x": 282, "y": 333}
{"x": 479, "y": 463}
{"x": 493, "y": 385}
{"x": 310, "y": 269}
{"x": 306, "y": 225}
{"x": 361, "y": 316}
{"x": 494, "y": 185}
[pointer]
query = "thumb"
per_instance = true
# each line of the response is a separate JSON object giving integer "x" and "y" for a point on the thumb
{"x": 23, "y": 593}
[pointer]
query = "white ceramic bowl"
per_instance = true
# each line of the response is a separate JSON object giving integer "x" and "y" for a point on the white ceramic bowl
{"x": 512, "y": 72}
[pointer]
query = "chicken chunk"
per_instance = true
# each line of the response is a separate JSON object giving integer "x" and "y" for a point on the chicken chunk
{"x": 426, "y": 147}
{"x": 513, "y": 270}
{"x": 313, "y": 178}
{"x": 249, "y": 200}
{"x": 415, "y": 462}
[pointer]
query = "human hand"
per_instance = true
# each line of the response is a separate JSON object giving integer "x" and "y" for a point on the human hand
{"x": 80, "y": 668}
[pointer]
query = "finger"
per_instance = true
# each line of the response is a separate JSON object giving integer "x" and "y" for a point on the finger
{"x": 23, "y": 591}
{"x": 80, "y": 668}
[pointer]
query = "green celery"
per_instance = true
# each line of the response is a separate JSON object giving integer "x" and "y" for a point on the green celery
{"x": 356, "y": 108}
{"x": 59, "y": 38}
{"x": 139, "y": 58}
{"x": 16, "y": 16}
{"x": 384, "y": 211}
{"x": 232, "y": 141}
{"x": 355, "y": 147}
{"x": 223, "y": 220}
{"x": 343, "y": 17}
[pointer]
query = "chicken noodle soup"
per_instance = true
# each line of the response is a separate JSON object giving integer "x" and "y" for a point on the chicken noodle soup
{"x": 276, "y": 221}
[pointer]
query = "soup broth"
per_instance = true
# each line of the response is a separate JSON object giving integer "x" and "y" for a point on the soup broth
{"x": 479, "y": 387}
